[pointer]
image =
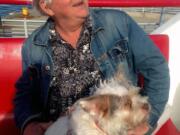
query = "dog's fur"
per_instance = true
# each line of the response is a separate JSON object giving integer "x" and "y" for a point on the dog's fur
{"x": 114, "y": 109}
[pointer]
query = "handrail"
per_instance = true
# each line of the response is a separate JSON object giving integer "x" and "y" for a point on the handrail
{"x": 22, "y": 28}
{"x": 113, "y": 3}
{"x": 134, "y": 3}
{"x": 16, "y": 2}
{"x": 21, "y": 20}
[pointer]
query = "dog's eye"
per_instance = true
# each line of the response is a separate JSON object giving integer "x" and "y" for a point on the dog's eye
{"x": 128, "y": 103}
{"x": 146, "y": 106}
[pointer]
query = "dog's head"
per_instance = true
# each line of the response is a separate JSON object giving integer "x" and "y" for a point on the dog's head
{"x": 115, "y": 113}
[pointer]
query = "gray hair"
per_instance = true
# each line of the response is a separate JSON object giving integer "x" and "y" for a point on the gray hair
{"x": 36, "y": 5}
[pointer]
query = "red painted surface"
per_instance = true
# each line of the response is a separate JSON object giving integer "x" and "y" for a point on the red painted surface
{"x": 10, "y": 70}
{"x": 134, "y": 3}
{"x": 17, "y": 2}
{"x": 168, "y": 129}
{"x": 114, "y": 3}
{"x": 162, "y": 42}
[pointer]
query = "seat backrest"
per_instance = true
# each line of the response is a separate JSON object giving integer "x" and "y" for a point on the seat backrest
{"x": 162, "y": 42}
{"x": 10, "y": 70}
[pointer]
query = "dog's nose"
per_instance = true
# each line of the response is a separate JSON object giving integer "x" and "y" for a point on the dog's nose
{"x": 146, "y": 106}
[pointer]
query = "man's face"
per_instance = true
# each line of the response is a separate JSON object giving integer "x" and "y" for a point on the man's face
{"x": 69, "y": 8}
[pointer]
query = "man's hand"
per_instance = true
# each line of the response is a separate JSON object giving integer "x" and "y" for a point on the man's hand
{"x": 36, "y": 128}
{"x": 139, "y": 130}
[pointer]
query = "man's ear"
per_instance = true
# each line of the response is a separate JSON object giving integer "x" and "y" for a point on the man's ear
{"x": 96, "y": 106}
{"x": 45, "y": 7}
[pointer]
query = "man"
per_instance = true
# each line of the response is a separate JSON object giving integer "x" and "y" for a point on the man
{"x": 65, "y": 58}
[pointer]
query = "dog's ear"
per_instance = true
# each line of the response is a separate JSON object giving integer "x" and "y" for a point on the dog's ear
{"x": 96, "y": 106}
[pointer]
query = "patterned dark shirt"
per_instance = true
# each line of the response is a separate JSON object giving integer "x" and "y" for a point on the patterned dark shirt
{"x": 75, "y": 72}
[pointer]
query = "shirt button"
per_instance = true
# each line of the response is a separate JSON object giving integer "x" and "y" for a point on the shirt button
{"x": 47, "y": 68}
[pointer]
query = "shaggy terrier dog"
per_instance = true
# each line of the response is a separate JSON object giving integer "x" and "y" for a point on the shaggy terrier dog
{"x": 114, "y": 109}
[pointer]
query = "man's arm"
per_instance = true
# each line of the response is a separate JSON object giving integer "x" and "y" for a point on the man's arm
{"x": 152, "y": 65}
{"x": 26, "y": 99}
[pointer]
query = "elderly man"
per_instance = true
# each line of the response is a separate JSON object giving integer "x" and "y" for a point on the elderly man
{"x": 64, "y": 60}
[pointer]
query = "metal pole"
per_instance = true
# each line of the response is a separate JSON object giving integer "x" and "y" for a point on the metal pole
{"x": 161, "y": 18}
{"x": 0, "y": 21}
{"x": 1, "y": 26}
{"x": 25, "y": 27}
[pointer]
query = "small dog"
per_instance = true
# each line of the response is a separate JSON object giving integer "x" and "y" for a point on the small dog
{"x": 114, "y": 109}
